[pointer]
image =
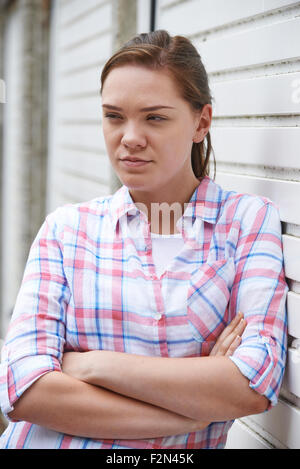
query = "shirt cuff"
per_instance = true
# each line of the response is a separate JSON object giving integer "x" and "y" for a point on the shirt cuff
{"x": 259, "y": 361}
{"x": 15, "y": 378}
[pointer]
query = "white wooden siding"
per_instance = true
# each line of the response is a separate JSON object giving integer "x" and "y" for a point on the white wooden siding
{"x": 199, "y": 16}
{"x": 81, "y": 42}
{"x": 143, "y": 16}
{"x": 247, "y": 438}
{"x": 12, "y": 206}
{"x": 251, "y": 53}
{"x": 282, "y": 422}
{"x": 261, "y": 96}
{"x": 262, "y": 138}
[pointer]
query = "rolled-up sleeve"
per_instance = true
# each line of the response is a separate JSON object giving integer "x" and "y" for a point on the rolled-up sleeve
{"x": 259, "y": 291}
{"x": 36, "y": 335}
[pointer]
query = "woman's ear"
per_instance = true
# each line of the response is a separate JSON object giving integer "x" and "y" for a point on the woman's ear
{"x": 203, "y": 123}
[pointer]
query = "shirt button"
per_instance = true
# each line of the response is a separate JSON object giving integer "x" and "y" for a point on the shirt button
{"x": 157, "y": 316}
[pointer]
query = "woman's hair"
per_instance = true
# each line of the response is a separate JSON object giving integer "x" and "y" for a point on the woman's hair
{"x": 158, "y": 50}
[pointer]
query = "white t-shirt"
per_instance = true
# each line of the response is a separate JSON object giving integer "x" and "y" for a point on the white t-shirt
{"x": 164, "y": 249}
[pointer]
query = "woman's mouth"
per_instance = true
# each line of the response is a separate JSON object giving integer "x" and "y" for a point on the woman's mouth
{"x": 134, "y": 162}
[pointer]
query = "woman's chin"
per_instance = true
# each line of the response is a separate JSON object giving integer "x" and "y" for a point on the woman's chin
{"x": 135, "y": 182}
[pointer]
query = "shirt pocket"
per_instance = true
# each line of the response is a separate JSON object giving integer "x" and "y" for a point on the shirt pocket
{"x": 207, "y": 301}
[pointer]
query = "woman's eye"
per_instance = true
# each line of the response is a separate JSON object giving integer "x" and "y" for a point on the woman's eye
{"x": 112, "y": 116}
{"x": 156, "y": 118}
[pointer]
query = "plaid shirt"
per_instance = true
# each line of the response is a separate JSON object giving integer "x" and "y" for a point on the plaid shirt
{"x": 90, "y": 284}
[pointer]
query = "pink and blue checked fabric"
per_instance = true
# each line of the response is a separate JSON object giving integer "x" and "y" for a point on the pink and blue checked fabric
{"x": 90, "y": 283}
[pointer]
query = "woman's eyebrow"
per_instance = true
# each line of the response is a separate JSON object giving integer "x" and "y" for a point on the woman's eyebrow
{"x": 144, "y": 109}
{"x": 155, "y": 108}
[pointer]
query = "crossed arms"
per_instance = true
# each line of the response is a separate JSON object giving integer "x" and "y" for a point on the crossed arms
{"x": 103, "y": 394}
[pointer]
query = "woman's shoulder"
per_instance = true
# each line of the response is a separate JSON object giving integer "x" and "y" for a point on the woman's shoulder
{"x": 244, "y": 201}
{"x": 217, "y": 194}
{"x": 70, "y": 214}
{"x": 245, "y": 207}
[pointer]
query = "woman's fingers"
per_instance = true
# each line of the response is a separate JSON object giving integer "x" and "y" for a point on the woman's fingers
{"x": 234, "y": 345}
{"x": 230, "y": 328}
{"x": 228, "y": 341}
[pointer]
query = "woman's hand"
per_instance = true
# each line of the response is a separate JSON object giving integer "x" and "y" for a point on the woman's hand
{"x": 227, "y": 343}
{"x": 230, "y": 338}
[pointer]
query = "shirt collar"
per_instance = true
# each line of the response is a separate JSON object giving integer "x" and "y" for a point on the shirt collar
{"x": 204, "y": 203}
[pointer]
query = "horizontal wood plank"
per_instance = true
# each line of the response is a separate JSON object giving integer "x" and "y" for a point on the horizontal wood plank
{"x": 271, "y": 95}
{"x": 265, "y": 146}
{"x": 285, "y": 194}
{"x": 292, "y": 371}
{"x": 293, "y": 309}
{"x": 85, "y": 108}
{"x": 81, "y": 82}
{"x": 282, "y": 421}
{"x": 86, "y": 55}
{"x": 241, "y": 436}
{"x": 264, "y": 5}
{"x": 200, "y": 15}
{"x": 273, "y": 4}
{"x": 82, "y": 136}
{"x": 73, "y": 10}
{"x": 94, "y": 24}
{"x": 263, "y": 44}
{"x": 76, "y": 189}
{"x": 291, "y": 248}
{"x": 86, "y": 164}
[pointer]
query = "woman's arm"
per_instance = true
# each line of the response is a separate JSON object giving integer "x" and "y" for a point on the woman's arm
{"x": 64, "y": 404}
{"x": 68, "y": 405}
{"x": 210, "y": 388}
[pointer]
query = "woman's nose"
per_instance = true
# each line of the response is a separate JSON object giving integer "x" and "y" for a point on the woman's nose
{"x": 133, "y": 138}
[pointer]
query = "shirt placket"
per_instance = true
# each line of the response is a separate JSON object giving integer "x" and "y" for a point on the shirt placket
{"x": 157, "y": 299}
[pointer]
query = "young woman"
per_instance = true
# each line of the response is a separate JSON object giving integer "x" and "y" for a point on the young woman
{"x": 126, "y": 331}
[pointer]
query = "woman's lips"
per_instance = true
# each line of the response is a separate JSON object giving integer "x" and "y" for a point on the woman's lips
{"x": 132, "y": 163}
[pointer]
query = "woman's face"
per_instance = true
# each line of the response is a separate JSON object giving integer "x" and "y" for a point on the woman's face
{"x": 148, "y": 128}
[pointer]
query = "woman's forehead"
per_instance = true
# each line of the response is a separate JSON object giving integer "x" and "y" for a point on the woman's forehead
{"x": 138, "y": 83}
